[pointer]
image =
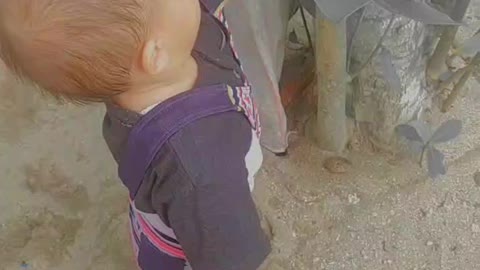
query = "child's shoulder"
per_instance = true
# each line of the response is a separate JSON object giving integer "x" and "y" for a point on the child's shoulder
{"x": 228, "y": 131}
{"x": 221, "y": 139}
{"x": 202, "y": 123}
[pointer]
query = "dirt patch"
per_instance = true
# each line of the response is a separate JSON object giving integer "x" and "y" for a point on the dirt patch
{"x": 40, "y": 240}
{"x": 113, "y": 252}
{"x": 16, "y": 119}
{"x": 375, "y": 216}
{"x": 48, "y": 179}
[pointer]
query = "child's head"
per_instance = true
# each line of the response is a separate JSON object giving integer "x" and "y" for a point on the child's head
{"x": 94, "y": 49}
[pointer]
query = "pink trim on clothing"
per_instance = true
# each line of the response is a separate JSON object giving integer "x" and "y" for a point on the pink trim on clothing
{"x": 158, "y": 242}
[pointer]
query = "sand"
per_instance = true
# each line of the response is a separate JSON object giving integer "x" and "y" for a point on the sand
{"x": 64, "y": 208}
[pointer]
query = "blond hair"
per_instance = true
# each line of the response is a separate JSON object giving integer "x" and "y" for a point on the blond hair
{"x": 79, "y": 49}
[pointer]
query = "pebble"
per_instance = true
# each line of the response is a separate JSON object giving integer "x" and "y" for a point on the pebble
{"x": 476, "y": 178}
{"x": 387, "y": 261}
{"x": 337, "y": 165}
{"x": 475, "y": 228}
{"x": 456, "y": 62}
{"x": 353, "y": 198}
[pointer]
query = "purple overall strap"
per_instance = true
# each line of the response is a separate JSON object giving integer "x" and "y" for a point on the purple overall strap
{"x": 162, "y": 122}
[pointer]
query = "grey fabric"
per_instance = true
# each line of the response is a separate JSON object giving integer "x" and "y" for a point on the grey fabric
{"x": 310, "y": 6}
{"x": 259, "y": 31}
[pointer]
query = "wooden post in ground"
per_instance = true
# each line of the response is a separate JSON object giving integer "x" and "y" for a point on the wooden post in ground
{"x": 330, "y": 127}
{"x": 437, "y": 63}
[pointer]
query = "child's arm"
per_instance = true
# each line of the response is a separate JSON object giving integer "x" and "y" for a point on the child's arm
{"x": 211, "y": 211}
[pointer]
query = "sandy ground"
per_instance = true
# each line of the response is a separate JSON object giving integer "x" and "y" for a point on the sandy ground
{"x": 62, "y": 206}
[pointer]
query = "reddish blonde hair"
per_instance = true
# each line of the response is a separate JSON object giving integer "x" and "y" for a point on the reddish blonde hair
{"x": 78, "y": 49}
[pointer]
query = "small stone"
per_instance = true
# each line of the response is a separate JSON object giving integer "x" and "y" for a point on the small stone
{"x": 387, "y": 261}
{"x": 429, "y": 243}
{"x": 353, "y": 198}
{"x": 476, "y": 178}
{"x": 456, "y": 62}
{"x": 475, "y": 228}
{"x": 337, "y": 165}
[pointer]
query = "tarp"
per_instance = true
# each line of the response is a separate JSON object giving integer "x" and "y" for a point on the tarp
{"x": 259, "y": 30}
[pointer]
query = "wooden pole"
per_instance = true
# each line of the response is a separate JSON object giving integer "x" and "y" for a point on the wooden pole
{"x": 437, "y": 63}
{"x": 330, "y": 130}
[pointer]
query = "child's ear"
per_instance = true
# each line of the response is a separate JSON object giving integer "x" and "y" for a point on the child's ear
{"x": 154, "y": 57}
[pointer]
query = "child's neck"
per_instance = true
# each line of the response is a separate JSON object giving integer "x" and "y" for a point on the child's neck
{"x": 179, "y": 80}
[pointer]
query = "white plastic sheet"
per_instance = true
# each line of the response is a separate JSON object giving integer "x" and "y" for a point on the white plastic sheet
{"x": 259, "y": 31}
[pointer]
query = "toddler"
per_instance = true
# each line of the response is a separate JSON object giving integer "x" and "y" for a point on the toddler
{"x": 180, "y": 120}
